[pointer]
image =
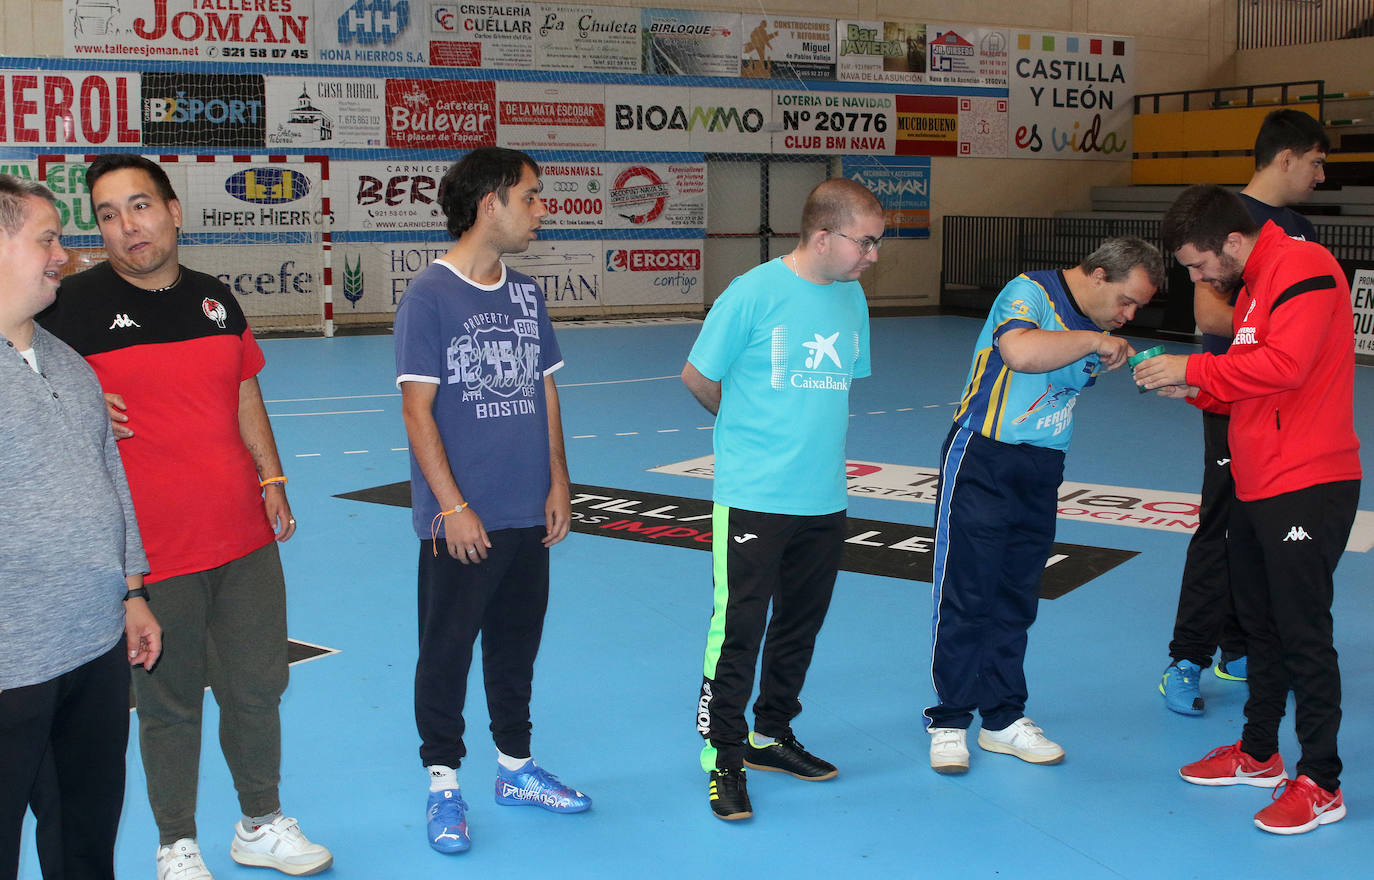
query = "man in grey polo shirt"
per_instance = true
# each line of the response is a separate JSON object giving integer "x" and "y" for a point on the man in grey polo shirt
{"x": 71, "y": 563}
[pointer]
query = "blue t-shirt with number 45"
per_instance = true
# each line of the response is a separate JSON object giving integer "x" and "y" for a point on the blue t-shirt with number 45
{"x": 488, "y": 348}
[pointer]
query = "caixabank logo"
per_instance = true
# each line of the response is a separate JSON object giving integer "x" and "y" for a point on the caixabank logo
{"x": 653, "y": 260}
{"x": 267, "y": 186}
{"x": 199, "y": 110}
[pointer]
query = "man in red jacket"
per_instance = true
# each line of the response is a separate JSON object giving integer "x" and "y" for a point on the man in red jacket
{"x": 1288, "y": 384}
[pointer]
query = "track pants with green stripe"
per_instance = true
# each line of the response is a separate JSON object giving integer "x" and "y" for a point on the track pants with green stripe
{"x": 759, "y": 558}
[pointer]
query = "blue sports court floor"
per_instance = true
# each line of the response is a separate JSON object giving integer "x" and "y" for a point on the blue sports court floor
{"x": 615, "y": 686}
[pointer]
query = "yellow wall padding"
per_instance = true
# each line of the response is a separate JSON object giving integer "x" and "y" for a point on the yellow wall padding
{"x": 1197, "y": 131}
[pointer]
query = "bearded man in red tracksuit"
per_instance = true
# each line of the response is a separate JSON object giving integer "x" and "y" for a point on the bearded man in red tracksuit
{"x": 1288, "y": 384}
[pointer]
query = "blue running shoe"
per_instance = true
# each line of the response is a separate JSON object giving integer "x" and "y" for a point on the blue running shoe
{"x": 448, "y": 823}
{"x": 1230, "y": 668}
{"x": 537, "y": 787}
{"x": 1180, "y": 687}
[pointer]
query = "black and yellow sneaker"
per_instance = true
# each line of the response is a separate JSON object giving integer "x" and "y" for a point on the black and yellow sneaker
{"x": 729, "y": 795}
{"x": 788, "y": 756}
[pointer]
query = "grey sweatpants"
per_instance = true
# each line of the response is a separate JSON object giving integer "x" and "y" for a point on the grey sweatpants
{"x": 225, "y": 627}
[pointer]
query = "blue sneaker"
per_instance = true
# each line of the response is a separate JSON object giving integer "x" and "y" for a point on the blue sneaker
{"x": 1180, "y": 687}
{"x": 537, "y": 787}
{"x": 1230, "y": 668}
{"x": 448, "y": 823}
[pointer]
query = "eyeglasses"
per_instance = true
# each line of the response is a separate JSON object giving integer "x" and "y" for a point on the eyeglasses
{"x": 866, "y": 245}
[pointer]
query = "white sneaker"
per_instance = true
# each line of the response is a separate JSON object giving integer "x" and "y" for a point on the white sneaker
{"x": 279, "y": 844}
{"x": 949, "y": 749}
{"x": 181, "y": 861}
{"x": 1024, "y": 740}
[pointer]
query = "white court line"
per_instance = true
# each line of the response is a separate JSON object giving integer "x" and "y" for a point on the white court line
{"x": 341, "y": 412}
{"x": 307, "y": 455}
{"x": 619, "y": 381}
{"x": 400, "y": 449}
{"x": 354, "y": 451}
{"x": 668, "y": 430}
{"x": 583, "y": 436}
{"x": 345, "y": 397}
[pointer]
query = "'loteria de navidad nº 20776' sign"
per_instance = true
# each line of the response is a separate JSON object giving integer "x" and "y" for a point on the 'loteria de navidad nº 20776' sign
{"x": 236, "y": 31}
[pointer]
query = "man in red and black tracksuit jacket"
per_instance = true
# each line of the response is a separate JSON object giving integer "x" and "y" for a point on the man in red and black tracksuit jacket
{"x": 1288, "y": 384}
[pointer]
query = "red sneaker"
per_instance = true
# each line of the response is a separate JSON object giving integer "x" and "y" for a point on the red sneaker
{"x": 1300, "y": 806}
{"x": 1228, "y": 765}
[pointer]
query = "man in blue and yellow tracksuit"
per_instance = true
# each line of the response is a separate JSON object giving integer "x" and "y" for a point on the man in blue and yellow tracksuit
{"x": 1045, "y": 339}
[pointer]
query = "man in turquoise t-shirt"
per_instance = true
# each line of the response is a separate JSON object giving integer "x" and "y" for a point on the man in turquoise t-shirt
{"x": 774, "y": 362}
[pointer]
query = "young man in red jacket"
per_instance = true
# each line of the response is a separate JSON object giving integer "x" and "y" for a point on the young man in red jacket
{"x": 1288, "y": 384}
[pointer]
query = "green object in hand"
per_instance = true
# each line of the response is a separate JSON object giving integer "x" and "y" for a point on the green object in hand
{"x": 1142, "y": 356}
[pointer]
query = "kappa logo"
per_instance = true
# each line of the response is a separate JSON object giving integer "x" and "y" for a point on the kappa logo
{"x": 122, "y": 321}
{"x": 746, "y": 537}
{"x": 1297, "y": 533}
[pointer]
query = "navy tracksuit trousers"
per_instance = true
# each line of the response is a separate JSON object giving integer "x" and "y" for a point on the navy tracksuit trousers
{"x": 994, "y": 529}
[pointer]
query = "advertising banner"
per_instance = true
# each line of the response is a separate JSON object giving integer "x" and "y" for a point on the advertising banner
{"x": 966, "y": 55}
{"x": 644, "y": 272}
{"x": 203, "y": 110}
{"x": 371, "y": 277}
{"x": 276, "y": 279}
{"x": 1362, "y": 298}
{"x": 569, "y": 272}
{"x": 252, "y": 197}
{"x": 902, "y": 185}
{"x": 265, "y": 31}
{"x": 492, "y": 35}
{"x": 635, "y": 195}
{"x": 983, "y": 127}
{"x": 880, "y": 51}
{"x": 67, "y": 181}
{"x": 807, "y": 123}
{"x": 787, "y": 47}
{"x": 680, "y": 42}
{"x": 378, "y": 32}
{"x": 927, "y": 125}
{"x": 378, "y": 196}
{"x": 656, "y": 195}
{"x": 1071, "y": 96}
{"x": 69, "y": 107}
{"x": 532, "y": 116}
{"x": 314, "y": 112}
{"x": 663, "y": 119}
{"x": 591, "y": 39}
{"x": 440, "y": 114}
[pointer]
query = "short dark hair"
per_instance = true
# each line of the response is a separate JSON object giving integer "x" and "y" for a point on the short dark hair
{"x": 833, "y": 203}
{"x": 485, "y": 170}
{"x": 1288, "y": 130}
{"x": 1203, "y": 216}
{"x": 107, "y": 162}
{"x": 1118, "y": 256}
{"x": 15, "y": 193}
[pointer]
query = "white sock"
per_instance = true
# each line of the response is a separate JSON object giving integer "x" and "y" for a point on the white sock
{"x": 508, "y": 762}
{"x": 441, "y": 777}
{"x": 253, "y": 823}
{"x": 758, "y": 740}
